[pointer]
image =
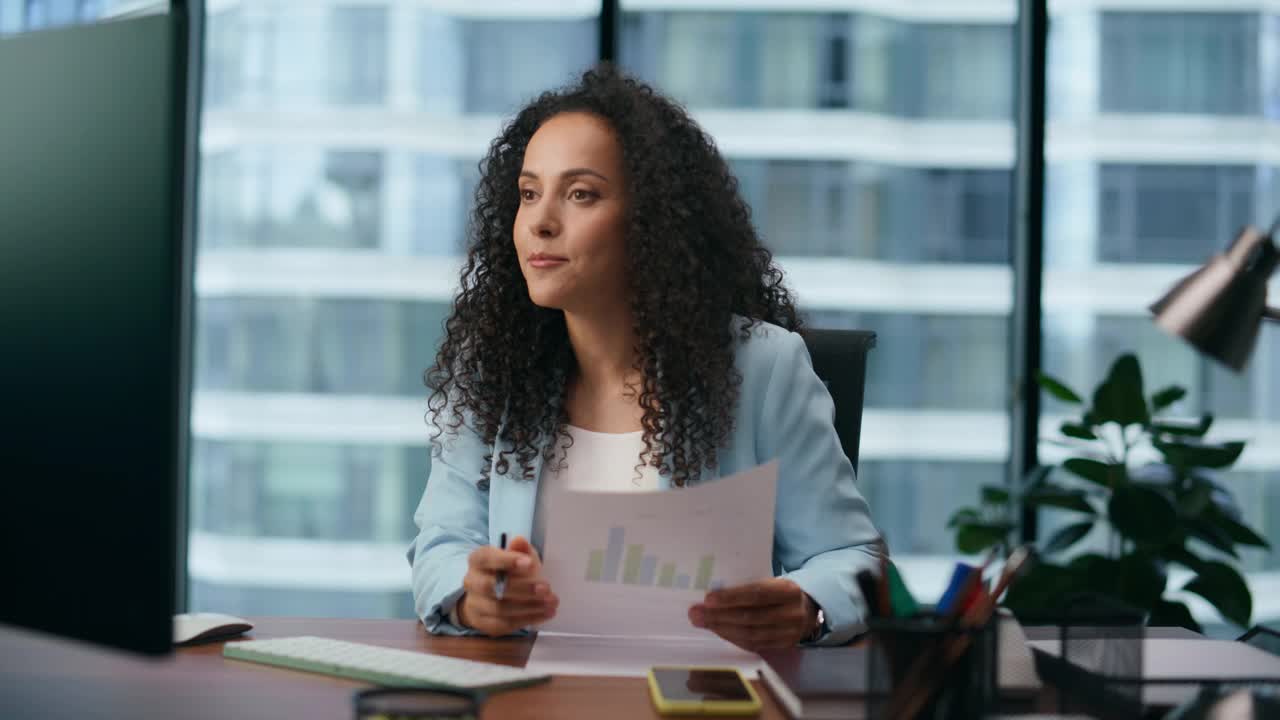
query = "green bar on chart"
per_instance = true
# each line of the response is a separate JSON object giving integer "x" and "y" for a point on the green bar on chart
{"x": 631, "y": 566}
{"x": 705, "y": 566}
{"x": 595, "y": 566}
{"x": 667, "y": 575}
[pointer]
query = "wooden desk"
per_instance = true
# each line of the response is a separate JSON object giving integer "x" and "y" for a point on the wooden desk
{"x": 42, "y": 677}
{"x": 49, "y": 677}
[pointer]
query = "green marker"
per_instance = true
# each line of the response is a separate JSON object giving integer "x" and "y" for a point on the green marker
{"x": 901, "y": 602}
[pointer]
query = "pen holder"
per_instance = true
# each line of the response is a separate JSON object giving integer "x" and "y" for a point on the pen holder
{"x": 927, "y": 666}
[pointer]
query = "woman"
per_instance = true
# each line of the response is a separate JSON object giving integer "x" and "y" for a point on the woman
{"x": 620, "y": 327}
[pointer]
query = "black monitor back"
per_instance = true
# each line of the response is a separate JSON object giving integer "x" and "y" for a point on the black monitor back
{"x": 97, "y": 128}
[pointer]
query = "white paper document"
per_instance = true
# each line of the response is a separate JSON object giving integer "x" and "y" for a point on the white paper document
{"x": 632, "y": 656}
{"x": 632, "y": 564}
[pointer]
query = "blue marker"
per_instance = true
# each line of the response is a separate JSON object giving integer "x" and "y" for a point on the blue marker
{"x": 958, "y": 576}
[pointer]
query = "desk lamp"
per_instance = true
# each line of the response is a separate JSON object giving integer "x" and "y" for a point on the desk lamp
{"x": 1219, "y": 307}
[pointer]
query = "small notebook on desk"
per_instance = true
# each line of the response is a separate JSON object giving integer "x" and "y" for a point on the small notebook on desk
{"x": 831, "y": 683}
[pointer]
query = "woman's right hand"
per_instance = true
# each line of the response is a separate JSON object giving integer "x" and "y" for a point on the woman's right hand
{"x": 528, "y": 599}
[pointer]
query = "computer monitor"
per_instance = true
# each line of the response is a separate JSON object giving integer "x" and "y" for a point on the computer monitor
{"x": 97, "y": 160}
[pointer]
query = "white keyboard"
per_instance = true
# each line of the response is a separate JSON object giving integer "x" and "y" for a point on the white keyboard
{"x": 384, "y": 666}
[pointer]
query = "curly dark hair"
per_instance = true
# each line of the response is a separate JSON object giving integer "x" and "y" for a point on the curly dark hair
{"x": 694, "y": 261}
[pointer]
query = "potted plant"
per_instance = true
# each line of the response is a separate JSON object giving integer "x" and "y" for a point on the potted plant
{"x": 1153, "y": 515}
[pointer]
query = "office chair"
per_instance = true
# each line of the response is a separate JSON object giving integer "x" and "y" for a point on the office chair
{"x": 840, "y": 360}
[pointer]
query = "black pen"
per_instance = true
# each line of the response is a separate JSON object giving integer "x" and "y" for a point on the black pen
{"x": 867, "y": 584}
{"x": 500, "y": 586}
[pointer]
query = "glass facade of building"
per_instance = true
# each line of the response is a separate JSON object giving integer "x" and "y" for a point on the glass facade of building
{"x": 1164, "y": 141}
{"x": 874, "y": 142}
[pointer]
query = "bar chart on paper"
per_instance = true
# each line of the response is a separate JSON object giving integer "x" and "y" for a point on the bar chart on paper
{"x": 618, "y": 562}
{"x": 634, "y": 563}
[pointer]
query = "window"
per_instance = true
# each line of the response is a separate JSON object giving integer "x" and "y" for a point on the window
{"x": 903, "y": 495}
{"x": 224, "y": 47}
{"x": 339, "y": 152}
{"x": 1170, "y": 62}
{"x": 23, "y": 15}
{"x": 824, "y": 60}
{"x": 962, "y": 71}
{"x": 660, "y": 47}
{"x": 324, "y": 346}
{"x": 1177, "y": 213}
{"x": 51, "y": 13}
{"x": 875, "y": 149}
{"x": 1126, "y": 217}
{"x": 289, "y": 196}
{"x": 508, "y": 63}
{"x": 927, "y": 354}
{"x": 301, "y": 490}
{"x": 862, "y": 210}
{"x": 968, "y": 217}
{"x": 358, "y": 55}
{"x": 914, "y": 248}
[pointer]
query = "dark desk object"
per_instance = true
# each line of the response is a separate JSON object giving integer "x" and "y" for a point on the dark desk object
{"x": 98, "y": 146}
{"x": 42, "y": 676}
{"x": 840, "y": 360}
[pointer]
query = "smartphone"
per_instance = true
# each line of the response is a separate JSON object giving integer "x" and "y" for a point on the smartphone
{"x": 694, "y": 690}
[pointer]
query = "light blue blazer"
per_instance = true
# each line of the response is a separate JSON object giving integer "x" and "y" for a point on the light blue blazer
{"x": 823, "y": 534}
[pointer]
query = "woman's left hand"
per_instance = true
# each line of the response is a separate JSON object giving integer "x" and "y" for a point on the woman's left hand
{"x": 772, "y": 613}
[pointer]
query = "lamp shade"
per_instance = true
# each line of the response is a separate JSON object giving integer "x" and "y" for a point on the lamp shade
{"x": 1219, "y": 307}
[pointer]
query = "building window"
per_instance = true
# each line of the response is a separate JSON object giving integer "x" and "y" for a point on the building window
{"x": 1204, "y": 63}
{"x": 857, "y": 210}
{"x": 918, "y": 359}
{"x": 358, "y": 56}
{"x": 957, "y": 71}
{"x": 508, "y": 61}
{"x": 1176, "y": 214}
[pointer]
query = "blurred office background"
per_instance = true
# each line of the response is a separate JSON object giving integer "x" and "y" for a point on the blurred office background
{"x": 874, "y": 140}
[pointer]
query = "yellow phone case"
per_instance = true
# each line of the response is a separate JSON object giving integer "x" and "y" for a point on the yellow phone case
{"x": 667, "y": 706}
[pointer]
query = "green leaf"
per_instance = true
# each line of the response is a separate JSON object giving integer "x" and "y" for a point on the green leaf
{"x": 1191, "y": 453}
{"x": 1181, "y": 555}
{"x": 1171, "y": 613}
{"x": 1094, "y": 471}
{"x": 1221, "y": 501}
{"x": 1076, "y": 430}
{"x": 1183, "y": 427}
{"x": 1139, "y": 578}
{"x": 1206, "y": 422}
{"x": 1239, "y": 533}
{"x": 1039, "y": 590}
{"x": 975, "y": 537}
{"x": 1194, "y": 502}
{"x": 1119, "y": 398}
{"x": 1058, "y": 389}
{"x": 1210, "y": 534}
{"x": 1059, "y": 497}
{"x": 1067, "y": 536}
{"x": 964, "y": 516}
{"x": 995, "y": 495}
{"x": 1095, "y": 573}
{"x": 1225, "y": 589}
{"x": 1142, "y": 514}
{"x": 1166, "y": 397}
